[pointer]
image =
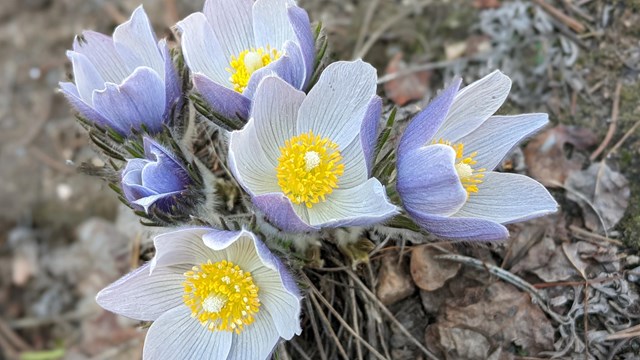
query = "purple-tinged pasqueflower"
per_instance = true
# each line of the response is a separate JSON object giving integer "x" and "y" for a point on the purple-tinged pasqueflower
{"x": 159, "y": 179}
{"x": 233, "y": 44}
{"x": 446, "y": 157}
{"x": 306, "y": 160}
{"x": 211, "y": 295}
{"x": 124, "y": 81}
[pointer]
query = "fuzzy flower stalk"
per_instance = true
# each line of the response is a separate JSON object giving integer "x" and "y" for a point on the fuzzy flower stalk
{"x": 211, "y": 295}
{"x": 124, "y": 82}
{"x": 446, "y": 157}
{"x": 233, "y": 44}
{"x": 305, "y": 160}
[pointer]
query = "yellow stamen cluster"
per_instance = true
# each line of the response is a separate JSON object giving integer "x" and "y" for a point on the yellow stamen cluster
{"x": 247, "y": 62}
{"x": 309, "y": 168}
{"x": 221, "y": 296}
{"x": 469, "y": 177}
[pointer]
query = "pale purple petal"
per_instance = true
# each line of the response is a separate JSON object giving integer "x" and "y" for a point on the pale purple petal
{"x": 336, "y": 105}
{"x": 271, "y": 24}
{"x": 457, "y": 228}
{"x": 428, "y": 182}
{"x": 274, "y": 113}
{"x": 473, "y": 105}
{"x": 101, "y": 52}
{"x": 173, "y": 86}
{"x": 355, "y": 166}
{"x": 70, "y": 92}
{"x": 423, "y": 126}
{"x": 175, "y": 335}
{"x": 164, "y": 173}
{"x": 497, "y": 136}
{"x": 86, "y": 76}
{"x": 369, "y": 131}
{"x": 248, "y": 162}
{"x": 224, "y": 101}
{"x": 163, "y": 201}
{"x": 183, "y": 246}
{"x": 506, "y": 198}
{"x": 139, "y": 100}
{"x": 289, "y": 67}
{"x": 302, "y": 28}
{"x": 136, "y": 43}
{"x": 201, "y": 50}
{"x": 144, "y": 296}
{"x": 231, "y": 21}
{"x": 280, "y": 212}
{"x": 364, "y": 205}
{"x": 132, "y": 180}
{"x": 256, "y": 341}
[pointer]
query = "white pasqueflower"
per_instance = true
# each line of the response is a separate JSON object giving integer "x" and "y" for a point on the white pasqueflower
{"x": 211, "y": 294}
{"x": 232, "y": 44}
{"x": 306, "y": 160}
{"x": 446, "y": 157}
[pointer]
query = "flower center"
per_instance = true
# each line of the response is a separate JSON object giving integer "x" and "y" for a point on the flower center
{"x": 469, "y": 177}
{"x": 247, "y": 62}
{"x": 221, "y": 296}
{"x": 309, "y": 168}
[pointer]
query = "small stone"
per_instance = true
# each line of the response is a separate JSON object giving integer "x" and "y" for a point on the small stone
{"x": 394, "y": 281}
{"x": 428, "y": 272}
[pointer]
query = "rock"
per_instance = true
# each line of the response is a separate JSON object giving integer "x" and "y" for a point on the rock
{"x": 394, "y": 282}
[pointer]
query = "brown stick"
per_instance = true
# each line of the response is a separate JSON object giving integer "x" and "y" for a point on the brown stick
{"x": 574, "y": 24}
{"x": 612, "y": 126}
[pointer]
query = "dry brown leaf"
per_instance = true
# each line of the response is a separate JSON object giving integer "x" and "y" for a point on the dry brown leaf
{"x": 486, "y": 4}
{"x": 602, "y": 193}
{"x": 546, "y": 156}
{"x": 408, "y": 87}
{"x": 394, "y": 281}
{"x": 429, "y": 273}
{"x": 498, "y": 314}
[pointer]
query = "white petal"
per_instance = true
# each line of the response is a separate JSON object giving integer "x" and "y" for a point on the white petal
{"x": 243, "y": 253}
{"x": 249, "y": 164}
{"x": 136, "y": 42}
{"x": 231, "y": 22}
{"x": 275, "y": 111}
{"x": 507, "y": 198}
{"x": 473, "y": 105}
{"x": 359, "y": 206}
{"x": 175, "y": 335}
{"x": 99, "y": 49}
{"x": 336, "y": 105}
{"x": 86, "y": 76}
{"x": 271, "y": 24}
{"x": 355, "y": 166}
{"x": 283, "y": 306}
{"x": 498, "y": 135}
{"x": 144, "y": 296}
{"x": 256, "y": 341}
{"x": 201, "y": 50}
{"x": 184, "y": 246}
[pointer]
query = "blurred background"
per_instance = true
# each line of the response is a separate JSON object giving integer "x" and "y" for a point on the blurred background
{"x": 64, "y": 235}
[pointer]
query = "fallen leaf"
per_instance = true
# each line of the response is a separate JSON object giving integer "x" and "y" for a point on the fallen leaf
{"x": 429, "y": 273}
{"x": 405, "y": 88}
{"x": 497, "y": 314}
{"x": 394, "y": 281}
{"x": 549, "y": 161}
{"x": 602, "y": 193}
{"x": 486, "y": 4}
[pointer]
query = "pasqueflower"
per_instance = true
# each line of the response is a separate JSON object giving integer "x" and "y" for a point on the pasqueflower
{"x": 211, "y": 295}
{"x": 233, "y": 44}
{"x": 125, "y": 81}
{"x": 306, "y": 160}
{"x": 446, "y": 157}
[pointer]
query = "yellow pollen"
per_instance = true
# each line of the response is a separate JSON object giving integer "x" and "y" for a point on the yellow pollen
{"x": 469, "y": 177}
{"x": 241, "y": 67}
{"x": 221, "y": 296}
{"x": 309, "y": 168}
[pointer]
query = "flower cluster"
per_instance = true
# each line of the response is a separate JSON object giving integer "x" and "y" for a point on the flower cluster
{"x": 302, "y": 145}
